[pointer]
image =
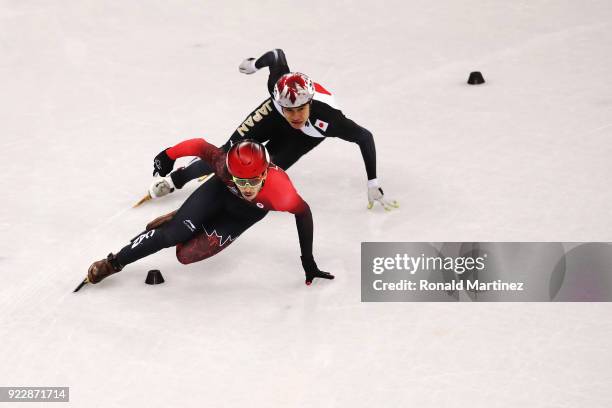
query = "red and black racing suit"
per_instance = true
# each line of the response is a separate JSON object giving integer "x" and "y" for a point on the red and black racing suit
{"x": 215, "y": 214}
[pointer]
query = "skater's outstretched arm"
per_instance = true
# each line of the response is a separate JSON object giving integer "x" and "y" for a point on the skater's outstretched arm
{"x": 293, "y": 203}
{"x": 274, "y": 59}
{"x": 164, "y": 161}
{"x": 346, "y": 129}
{"x": 304, "y": 223}
{"x": 209, "y": 153}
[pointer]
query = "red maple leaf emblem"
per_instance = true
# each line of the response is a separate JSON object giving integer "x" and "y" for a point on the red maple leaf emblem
{"x": 294, "y": 84}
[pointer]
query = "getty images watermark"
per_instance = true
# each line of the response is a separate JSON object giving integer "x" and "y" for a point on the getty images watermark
{"x": 486, "y": 271}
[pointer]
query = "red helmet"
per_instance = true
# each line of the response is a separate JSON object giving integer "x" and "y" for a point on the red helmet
{"x": 293, "y": 89}
{"x": 247, "y": 159}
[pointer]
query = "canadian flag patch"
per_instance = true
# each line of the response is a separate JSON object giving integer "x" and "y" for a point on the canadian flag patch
{"x": 319, "y": 124}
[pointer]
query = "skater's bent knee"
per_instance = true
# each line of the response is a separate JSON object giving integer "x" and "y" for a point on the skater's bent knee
{"x": 198, "y": 248}
{"x": 184, "y": 256}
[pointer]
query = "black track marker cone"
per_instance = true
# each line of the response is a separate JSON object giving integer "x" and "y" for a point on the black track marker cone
{"x": 154, "y": 277}
{"x": 475, "y": 78}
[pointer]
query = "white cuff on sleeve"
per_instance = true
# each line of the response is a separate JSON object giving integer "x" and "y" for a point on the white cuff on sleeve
{"x": 373, "y": 183}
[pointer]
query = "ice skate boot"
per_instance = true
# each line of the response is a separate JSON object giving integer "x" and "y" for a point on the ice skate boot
{"x": 160, "y": 187}
{"x": 103, "y": 268}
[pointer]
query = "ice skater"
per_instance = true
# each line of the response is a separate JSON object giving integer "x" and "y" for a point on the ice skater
{"x": 245, "y": 186}
{"x": 299, "y": 115}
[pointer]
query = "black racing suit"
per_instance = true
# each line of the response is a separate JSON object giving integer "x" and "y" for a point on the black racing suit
{"x": 285, "y": 144}
{"x": 215, "y": 214}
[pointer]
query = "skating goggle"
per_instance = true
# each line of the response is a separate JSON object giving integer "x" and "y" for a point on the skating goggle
{"x": 253, "y": 182}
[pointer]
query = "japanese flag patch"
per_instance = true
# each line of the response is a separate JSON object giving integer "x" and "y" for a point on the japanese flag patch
{"x": 319, "y": 124}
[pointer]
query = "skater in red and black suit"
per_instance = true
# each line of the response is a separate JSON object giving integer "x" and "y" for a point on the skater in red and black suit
{"x": 245, "y": 187}
{"x": 298, "y": 116}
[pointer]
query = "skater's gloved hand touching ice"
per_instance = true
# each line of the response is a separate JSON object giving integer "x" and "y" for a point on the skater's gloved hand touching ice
{"x": 375, "y": 194}
{"x": 312, "y": 270}
{"x": 162, "y": 164}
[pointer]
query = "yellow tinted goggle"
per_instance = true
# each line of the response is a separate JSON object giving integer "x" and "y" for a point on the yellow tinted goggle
{"x": 253, "y": 182}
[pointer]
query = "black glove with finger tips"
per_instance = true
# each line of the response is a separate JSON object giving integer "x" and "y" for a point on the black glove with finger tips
{"x": 312, "y": 270}
{"x": 162, "y": 164}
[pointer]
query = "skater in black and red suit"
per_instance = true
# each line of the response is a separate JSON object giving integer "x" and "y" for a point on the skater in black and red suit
{"x": 245, "y": 187}
{"x": 299, "y": 115}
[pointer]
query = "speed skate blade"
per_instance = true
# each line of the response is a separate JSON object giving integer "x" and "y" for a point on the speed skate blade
{"x": 205, "y": 178}
{"x": 143, "y": 200}
{"x": 80, "y": 285}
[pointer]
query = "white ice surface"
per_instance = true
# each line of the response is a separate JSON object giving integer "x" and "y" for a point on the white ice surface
{"x": 91, "y": 90}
